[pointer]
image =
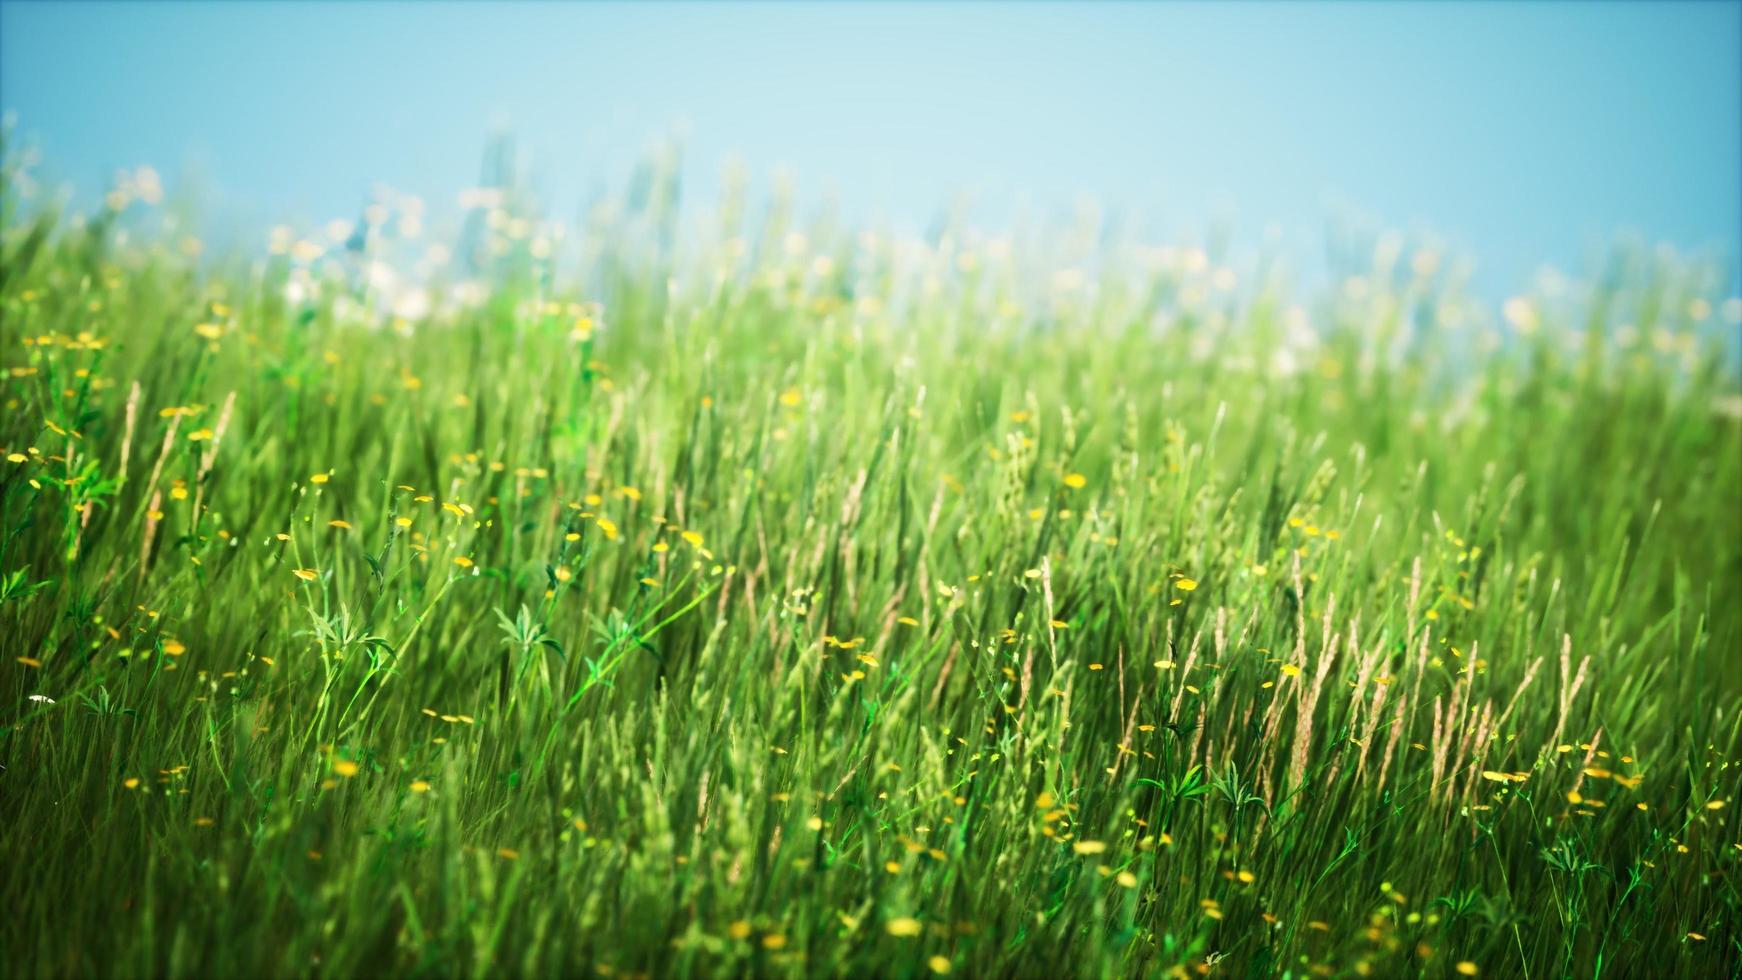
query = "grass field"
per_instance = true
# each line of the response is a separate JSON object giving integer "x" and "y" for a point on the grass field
{"x": 760, "y": 597}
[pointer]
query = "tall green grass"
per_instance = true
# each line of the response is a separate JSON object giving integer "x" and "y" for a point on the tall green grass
{"x": 767, "y": 598}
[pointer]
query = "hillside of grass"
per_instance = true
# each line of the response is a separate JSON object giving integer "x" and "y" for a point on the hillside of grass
{"x": 758, "y": 596}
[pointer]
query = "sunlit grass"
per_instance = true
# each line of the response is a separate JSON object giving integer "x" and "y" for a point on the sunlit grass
{"x": 775, "y": 599}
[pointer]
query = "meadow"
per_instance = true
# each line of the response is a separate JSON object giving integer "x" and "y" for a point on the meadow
{"x": 761, "y": 596}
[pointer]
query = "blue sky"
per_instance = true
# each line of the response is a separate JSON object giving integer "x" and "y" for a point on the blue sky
{"x": 1520, "y": 133}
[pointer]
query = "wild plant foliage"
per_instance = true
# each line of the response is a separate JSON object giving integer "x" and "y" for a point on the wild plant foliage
{"x": 766, "y": 597}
